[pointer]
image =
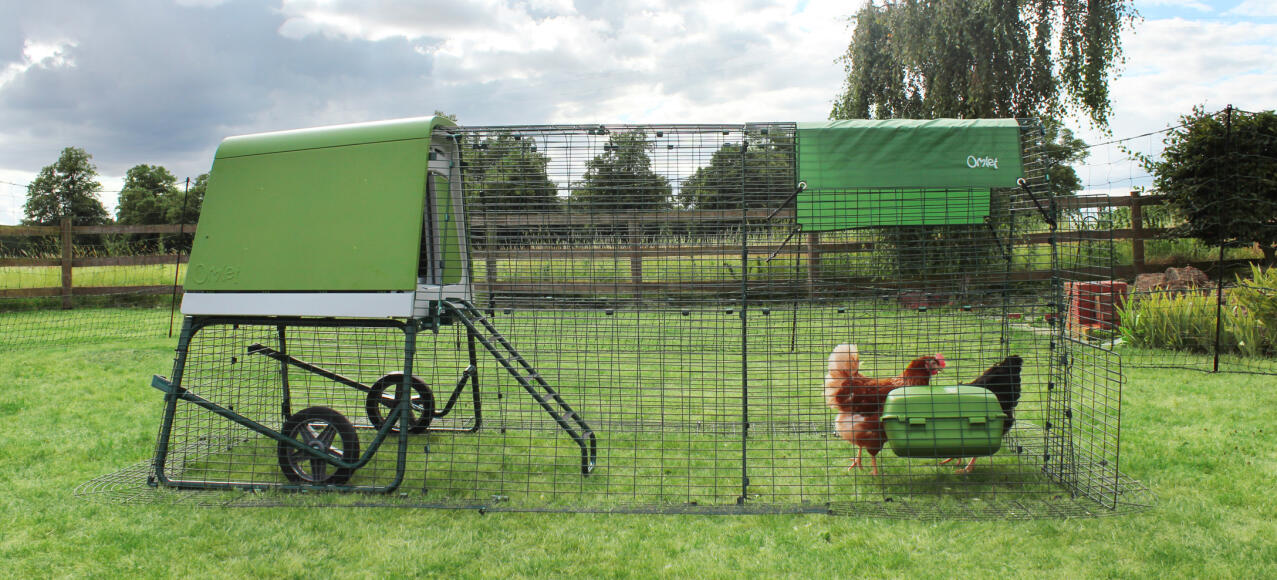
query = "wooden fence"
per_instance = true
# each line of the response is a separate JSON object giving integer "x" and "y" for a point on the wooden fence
{"x": 68, "y": 262}
{"x": 809, "y": 246}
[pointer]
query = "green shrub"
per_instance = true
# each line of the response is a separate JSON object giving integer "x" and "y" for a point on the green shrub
{"x": 1258, "y": 295}
{"x": 1187, "y": 321}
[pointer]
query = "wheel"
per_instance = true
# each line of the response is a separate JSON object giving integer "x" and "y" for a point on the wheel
{"x": 318, "y": 428}
{"x": 381, "y": 401}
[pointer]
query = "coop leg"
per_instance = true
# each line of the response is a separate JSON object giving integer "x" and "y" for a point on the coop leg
{"x": 474, "y": 381}
{"x": 470, "y": 376}
{"x": 403, "y": 393}
{"x": 286, "y": 405}
{"x": 189, "y": 328}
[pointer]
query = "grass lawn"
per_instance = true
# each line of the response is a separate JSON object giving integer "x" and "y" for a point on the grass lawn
{"x": 70, "y": 413}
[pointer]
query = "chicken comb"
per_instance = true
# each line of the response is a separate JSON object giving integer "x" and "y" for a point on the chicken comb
{"x": 940, "y": 359}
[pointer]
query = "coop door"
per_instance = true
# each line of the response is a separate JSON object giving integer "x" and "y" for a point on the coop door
{"x": 440, "y": 261}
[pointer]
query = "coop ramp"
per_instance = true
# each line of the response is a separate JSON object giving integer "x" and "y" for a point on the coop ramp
{"x": 528, "y": 378}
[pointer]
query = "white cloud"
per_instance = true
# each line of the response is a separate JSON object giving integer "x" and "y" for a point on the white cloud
{"x": 13, "y": 194}
{"x": 1175, "y": 64}
{"x": 1190, "y": 4}
{"x": 1257, "y": 8}
{"x": 38, "y": 54}
{"x": 586, "y": 60}
{"x": 1188, "y": 61}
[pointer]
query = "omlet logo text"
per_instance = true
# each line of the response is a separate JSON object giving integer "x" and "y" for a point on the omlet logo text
{"x": 977, "y": 162}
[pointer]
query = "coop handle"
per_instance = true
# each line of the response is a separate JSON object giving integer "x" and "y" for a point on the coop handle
{"x": 802, "y": 185}
{"x": 1046, "y": 215}
{"x": 918, "y": 421}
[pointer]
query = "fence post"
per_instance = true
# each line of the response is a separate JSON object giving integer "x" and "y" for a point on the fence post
{"x": 813, "y": 263}
{"x": 1137, "y": 233}
{"x": 490, "y": 272}
{"x": 636, "y": 256}
{"x": 1219, "y": 219}
{"x": 67, "y": 257}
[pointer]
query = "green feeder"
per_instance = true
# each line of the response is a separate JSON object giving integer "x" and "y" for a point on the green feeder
{"x": 950, "y": 421}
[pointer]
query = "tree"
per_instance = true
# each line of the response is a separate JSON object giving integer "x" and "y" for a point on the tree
{"x": 1220, "y": 173}
{"x": 185, "y": 206}
{"x": 66, "y": 188}
{"x": 621, "y": 178}
{"x": 983, "y": 58}
{"x": 767, "y": 181}
{"x": 147, "y": 195}
{"x": 505, "y": 171}
{"x": 1061, "y": 149}
{"x": 925, "y": 59}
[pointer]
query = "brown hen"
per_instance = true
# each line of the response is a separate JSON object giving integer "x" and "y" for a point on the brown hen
{"x": 858, "y": 399}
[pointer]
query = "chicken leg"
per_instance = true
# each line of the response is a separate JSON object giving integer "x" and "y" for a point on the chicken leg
{"x": 968, "y": 469}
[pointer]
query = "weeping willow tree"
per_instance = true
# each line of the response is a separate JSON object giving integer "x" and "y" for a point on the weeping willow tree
{"x": 925, "y": 59}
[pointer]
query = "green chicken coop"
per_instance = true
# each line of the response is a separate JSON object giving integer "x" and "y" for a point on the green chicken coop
{"x": 354, "y": 221}
{"x": 650, "y": 308}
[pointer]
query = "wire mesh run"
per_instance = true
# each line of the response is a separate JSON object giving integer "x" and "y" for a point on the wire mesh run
{"x": 670, "y": 328}
{"x": 96, "y": 287}
{"x": 1186, "y": 303}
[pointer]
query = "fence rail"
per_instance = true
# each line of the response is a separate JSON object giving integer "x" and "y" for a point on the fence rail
{"x": 68, "y": 262}
{"x": 812, "y": 246}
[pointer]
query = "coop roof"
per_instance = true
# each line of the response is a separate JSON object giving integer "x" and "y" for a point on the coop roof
{"x": 328, "y": 209}
{"x": 903, "y": 172}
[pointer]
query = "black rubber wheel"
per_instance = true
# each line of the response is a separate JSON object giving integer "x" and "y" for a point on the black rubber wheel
{"x": 381, "y": 401}
{"x": 318, "y": 428}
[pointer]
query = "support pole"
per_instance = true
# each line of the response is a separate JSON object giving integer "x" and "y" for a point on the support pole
{"x": 177, "y": 262}
{"x": 1219, "y": 217}
{"x": 744, "y": 327}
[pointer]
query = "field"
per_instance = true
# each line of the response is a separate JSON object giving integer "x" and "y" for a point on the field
{"x": 1202, "y": 443}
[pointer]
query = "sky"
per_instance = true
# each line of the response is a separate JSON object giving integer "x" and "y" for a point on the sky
{"x": 162, "y": 82}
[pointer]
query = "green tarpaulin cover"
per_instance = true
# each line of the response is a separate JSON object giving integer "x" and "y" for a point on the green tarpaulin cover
{"x": 903, "y": 172}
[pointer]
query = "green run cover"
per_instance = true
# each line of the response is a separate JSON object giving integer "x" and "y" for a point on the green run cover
{"x": 863, "y": 173}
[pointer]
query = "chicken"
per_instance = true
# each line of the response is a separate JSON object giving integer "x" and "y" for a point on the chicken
{"x": 1003, "y": 379}
{"x": 858, "y": 399}
{"x": 863, "y": 431}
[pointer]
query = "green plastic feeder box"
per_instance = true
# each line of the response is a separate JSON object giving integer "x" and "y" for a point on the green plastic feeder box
{"x": 362, "y": 220}
{"x": 953, "y": 421}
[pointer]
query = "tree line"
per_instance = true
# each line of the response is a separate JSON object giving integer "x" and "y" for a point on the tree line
{"x": 505, "y": 171}
{"x": 69, "y": 187}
